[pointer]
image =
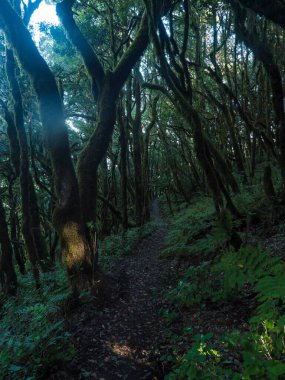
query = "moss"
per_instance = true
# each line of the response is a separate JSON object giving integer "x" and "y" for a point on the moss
{"x": 35, "y": 243}
{"x": 53, "y": 120}
{"x": 95, "y": 151}
{"x": 75, "y": 246}
{"x": 8, "y": 275}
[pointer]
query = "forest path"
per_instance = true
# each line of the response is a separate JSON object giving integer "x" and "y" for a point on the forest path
{"x": 123, "y": 339}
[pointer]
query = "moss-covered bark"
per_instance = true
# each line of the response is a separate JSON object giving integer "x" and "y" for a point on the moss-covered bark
{"x": 106, "y": 193}
{"x": 14, "y": 230}
{"x": 96, "y": 149}
{"x": 273, "y": 10}
{"x": 202, "y": 154}
{"x": 8, "y": 275}
{"x": 268, "y": 183}
{"x": 14, "y": 147}
{"x": 106, "y": 86}
{"x": 123, "y": 167}
{"x": 263, "y": 53}
{"x": 145, "y": 164}
{"x": 137, "y": 154}
{"x": 67, "y": 214}
{"x": 35, "y": 243}
{"x": 179, "y": 81}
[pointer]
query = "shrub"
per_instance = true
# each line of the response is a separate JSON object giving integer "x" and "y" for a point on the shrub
{"x": 33, "y": 339}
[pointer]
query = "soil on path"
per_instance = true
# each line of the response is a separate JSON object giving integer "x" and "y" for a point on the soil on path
{"x": 123, "y": 339}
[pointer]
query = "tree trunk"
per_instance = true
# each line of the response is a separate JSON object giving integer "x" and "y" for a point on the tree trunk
{"x": 95, "y": 151}
{"x": 67, "y": 213}
{"x": 273, "y": 10}
{"x": 123, "y": 165}
{"x": 106, "y": 86}
{"x": 263, "y": 53}
{"x": 35, "y": 243}
{"x": 137, "y": 153}
{"x": 267, "y": 183}
{"x": 8, "y": 275}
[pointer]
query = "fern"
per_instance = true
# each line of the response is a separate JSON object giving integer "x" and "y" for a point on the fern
{"x": 247, "y": 265}
{"x": 263, "y": 346}
{"x": 193, "y": 288}
{"x": 32, "y": 336}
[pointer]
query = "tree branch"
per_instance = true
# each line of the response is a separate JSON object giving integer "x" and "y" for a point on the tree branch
{"x": 274, "y": 10}
{"x": 132, "y": 55}
{"x": 30, "y": 9}
{"x": 91, "y": 61}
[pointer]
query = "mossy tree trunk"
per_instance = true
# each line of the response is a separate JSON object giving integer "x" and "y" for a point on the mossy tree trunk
{"x": 8, "y": 275}
{"x": 67, "y": 214}
{"x": 106, "y": 194}
{"x": 263, "y": 53}
{"x": 106, "y": 86}
{"x": 274, "y": 10}
{"x": 179, "y": 81}
{"x": 35, "y": 243}
{"x": 14, "y": 149}
{"x": 145, "y": 165}
{"x": 95, "y": 150}
{"x": 231, "y": 128}
{"x": 15, "y": 228}
{"x": 268, "y": 183}
{"x": 137, "y": 150}
{"x": 123, "y": 165}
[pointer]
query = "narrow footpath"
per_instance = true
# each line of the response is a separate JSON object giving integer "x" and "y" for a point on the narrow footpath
{"x": 123, "y": 339}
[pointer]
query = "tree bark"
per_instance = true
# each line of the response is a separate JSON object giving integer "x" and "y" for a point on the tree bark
{"x": 123, "y": 167}
{"x": 35, "y": 243}
{"x": 136, "y": 123}
{"x": 273, "y": 10}
{"x": 263, "y": 53}
{"x": 67, "y": 214}
{"x": 106, "y": 86}
{"x": 8, "y": 275}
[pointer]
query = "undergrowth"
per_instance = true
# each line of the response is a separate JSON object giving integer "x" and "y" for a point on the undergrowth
{"x": 33, "y": 340}
{"x": 220, "y": 276}
{"x": 114, "y": 247}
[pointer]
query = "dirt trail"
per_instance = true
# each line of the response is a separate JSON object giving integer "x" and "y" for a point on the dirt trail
{"x": 121, "y": 340}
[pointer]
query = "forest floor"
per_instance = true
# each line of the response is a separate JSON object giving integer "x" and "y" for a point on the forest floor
{"x": 124, "y": 338}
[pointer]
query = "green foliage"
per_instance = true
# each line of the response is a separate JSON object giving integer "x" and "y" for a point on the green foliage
{"x": 196, "y": 230}
{"x": 32, "y": 335}
{"x": 262, "y": 348}
{"x": 249, "y": 199}
{"x": 205, "y": 361}
{"x": 201, "y": 361}
{"x": 187, "y": 226}
{"x": 256, "y": 267}
{"x": 114, "y": 247}
{"x": 260, "y": 359}
{"x": 249, "y": 264}
{"x": 193, "y": 288}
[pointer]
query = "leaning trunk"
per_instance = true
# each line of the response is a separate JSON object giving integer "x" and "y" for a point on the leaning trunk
{"x": 67, "y": 213}
{"x": 95, "y": 151}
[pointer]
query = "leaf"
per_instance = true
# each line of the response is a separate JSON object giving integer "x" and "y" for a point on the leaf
{"x": 276, "y": 370}
{"x": 15, "y": 368}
